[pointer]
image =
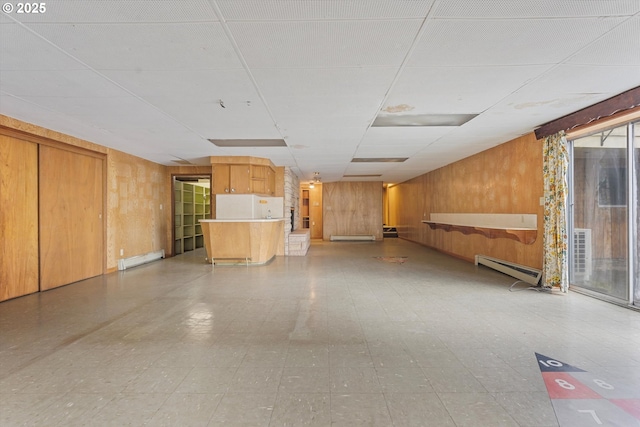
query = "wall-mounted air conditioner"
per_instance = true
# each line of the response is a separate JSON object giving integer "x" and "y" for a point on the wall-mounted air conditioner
{"x": 582, "y": 265}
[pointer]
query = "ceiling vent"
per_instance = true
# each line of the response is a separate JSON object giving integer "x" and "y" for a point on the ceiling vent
{"x": 393, "y": 120}
{"x": 378, "y": 159}
{"x": 248, "y": 142}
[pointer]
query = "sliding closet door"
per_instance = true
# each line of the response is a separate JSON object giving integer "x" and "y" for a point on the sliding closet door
{"x": 18, "y": 217}
{"x": 71, "y": 217}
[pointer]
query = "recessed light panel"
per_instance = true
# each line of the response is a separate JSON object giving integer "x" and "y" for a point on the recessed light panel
{"x": 378, "y": 159}
{"x": 362, "y": 176}
{"x": 248, "y": 142}
{"x": 390, "y": 120}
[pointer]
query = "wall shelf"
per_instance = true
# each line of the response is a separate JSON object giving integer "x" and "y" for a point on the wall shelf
{"x": 519, "y": 227}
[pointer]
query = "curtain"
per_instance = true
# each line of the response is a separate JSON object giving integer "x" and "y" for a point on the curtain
{"x": 555, "y": 169}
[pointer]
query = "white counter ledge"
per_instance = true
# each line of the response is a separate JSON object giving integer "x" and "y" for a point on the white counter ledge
{"x": 244, "y": 220}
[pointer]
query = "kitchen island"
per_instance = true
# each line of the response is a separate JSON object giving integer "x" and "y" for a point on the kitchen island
{"x": 252, "y": 241}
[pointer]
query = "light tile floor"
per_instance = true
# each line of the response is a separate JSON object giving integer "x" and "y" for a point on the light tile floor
{"x": 334, "y": 338}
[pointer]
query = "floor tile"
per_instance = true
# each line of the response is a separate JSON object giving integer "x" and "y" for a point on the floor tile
{"x": 333, "y": 338}
{"x": 307, "y": 355}
{"x": 256, "y": 380}
{"x": 354, "y": 380}
{"x": 305, "y": 380}
{"x": 403, "y": 380}
{"x": 423, "y": 409}
{"x": 186, "y": 409}
{"x": 132, "y": 409}
{"x": 368, "y": 409}
{"x": 302, "y": 409}
{"x": 244, "y": 409}
{"x": 476, "y": 410}
{"x": 453, "y": 380}
{"x": 528, "y": 408}
{"x": 207, "y": 380}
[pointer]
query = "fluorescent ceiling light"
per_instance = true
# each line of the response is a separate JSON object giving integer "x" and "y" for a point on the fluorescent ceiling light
{"x": 390, "y": 120}
{"x": 378, "y": 159}
{"x": 248, "y": 142}
{"x": 362, "y": 176}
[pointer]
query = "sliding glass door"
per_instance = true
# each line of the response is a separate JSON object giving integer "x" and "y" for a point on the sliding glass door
{"x": 635, "y": 217}
{"x": 604, "y": 213}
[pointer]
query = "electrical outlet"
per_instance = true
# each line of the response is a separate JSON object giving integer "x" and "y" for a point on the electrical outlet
{"x": 121, "y": 252}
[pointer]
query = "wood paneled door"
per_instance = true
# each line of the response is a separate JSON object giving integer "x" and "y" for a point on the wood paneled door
{"x": 71, "y": 216}
{"x": 18, "y": 217}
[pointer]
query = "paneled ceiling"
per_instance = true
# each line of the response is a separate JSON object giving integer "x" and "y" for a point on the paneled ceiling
{"x": 159, "y": 78}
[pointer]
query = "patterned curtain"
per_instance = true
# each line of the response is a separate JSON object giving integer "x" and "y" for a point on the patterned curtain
{"x": 555, "y": 168}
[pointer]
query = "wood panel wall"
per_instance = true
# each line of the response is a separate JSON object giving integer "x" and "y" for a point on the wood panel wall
{"x": 504, "y": 179}
{"x": 138, "y": 207}
{"x": 18, "y": 217}
{"x": 352, "y": 208}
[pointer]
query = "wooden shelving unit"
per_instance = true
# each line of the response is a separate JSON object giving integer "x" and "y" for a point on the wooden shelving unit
{"x": 192, "y": 203}
{"x": 304, "y": 206}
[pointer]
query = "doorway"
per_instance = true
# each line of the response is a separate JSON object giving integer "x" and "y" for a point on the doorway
{"x": 311, "y": 209}
{"x": 191, "y": 203}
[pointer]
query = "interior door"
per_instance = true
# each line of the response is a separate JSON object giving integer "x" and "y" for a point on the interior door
{"x": 71, "y": 217}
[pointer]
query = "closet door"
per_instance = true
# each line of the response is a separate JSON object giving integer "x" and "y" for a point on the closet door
{"x": 18, "y": 217}
{"x": 71, "y": 217}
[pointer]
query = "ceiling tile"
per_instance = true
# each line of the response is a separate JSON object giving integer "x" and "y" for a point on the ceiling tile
{"x": 145, "y": 46}
{"x": 291, "y": 10}
{"x": 59, "y": 83}
{"x": 621, "y": 46}
{"x": 484, "y": 42}
{"x": 233, "y": 86}
{"x": 324, "y": 44}
{"x": 395, "y": 150}
{"x": 21, "y": 49}
{"x": 324, "y": 98}
{"x": 450, "y": 90}
{"x": 534, "y": 9}
{"x": 132, "y": 11}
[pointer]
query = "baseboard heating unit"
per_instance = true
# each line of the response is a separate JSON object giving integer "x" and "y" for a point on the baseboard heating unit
{"x": 521, "y": 272}
{"x": 134, "y": 261}
{"x": 353, "y": 238}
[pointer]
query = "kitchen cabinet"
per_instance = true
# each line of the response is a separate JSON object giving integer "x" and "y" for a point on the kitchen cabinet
{"x": 231, "y": 178}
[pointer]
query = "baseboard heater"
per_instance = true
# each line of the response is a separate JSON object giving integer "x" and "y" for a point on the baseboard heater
{"x": 522, "y": 272}
{"x": 134, "y": 261}
{"x": 353, "y": 238}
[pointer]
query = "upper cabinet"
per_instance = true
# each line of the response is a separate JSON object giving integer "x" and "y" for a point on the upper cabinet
{"x": 243, "y": 175}
{"x": 231, "y": 179}
{"x": 263, "y": 180}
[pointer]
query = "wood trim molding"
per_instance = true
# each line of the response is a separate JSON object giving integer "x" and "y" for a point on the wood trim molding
{"x": 610, "y": 122}
{"x": 620, "y": 103}
{"x": 43, "y": 140}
